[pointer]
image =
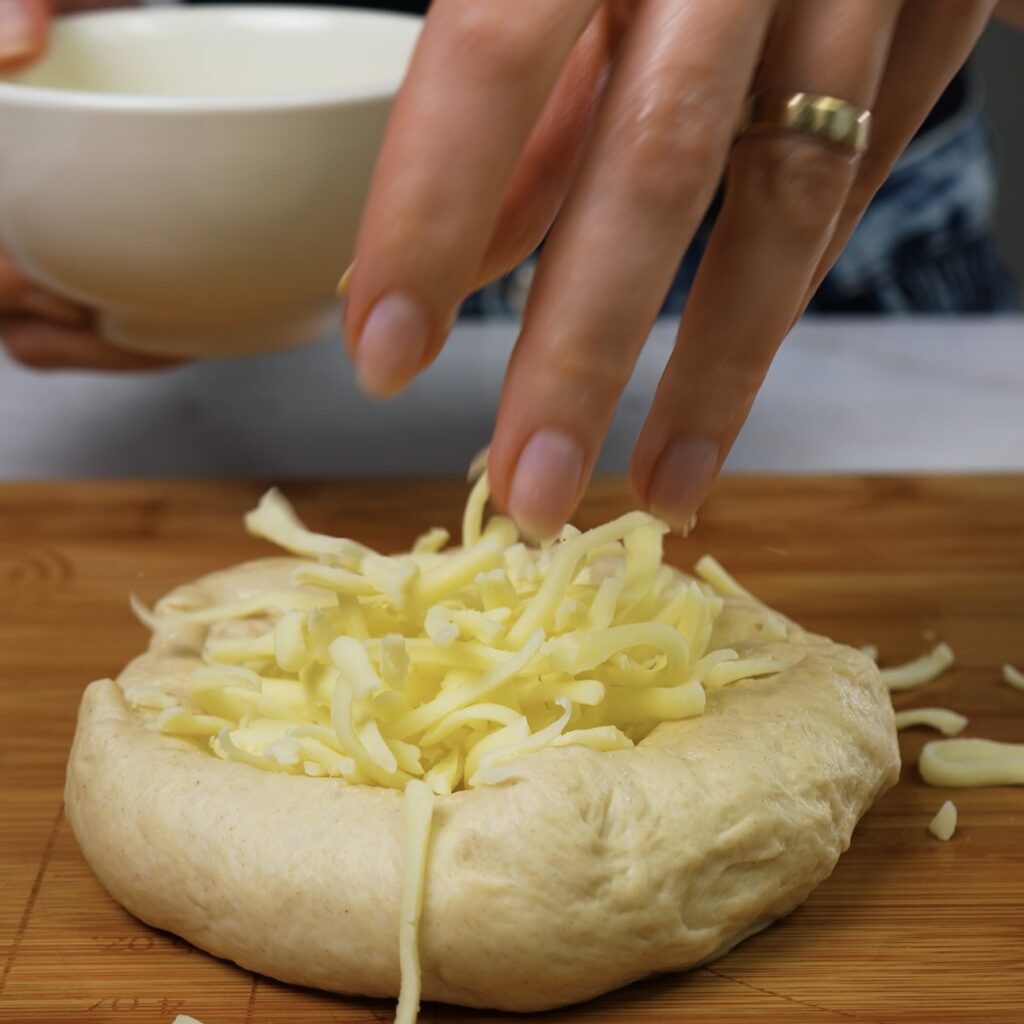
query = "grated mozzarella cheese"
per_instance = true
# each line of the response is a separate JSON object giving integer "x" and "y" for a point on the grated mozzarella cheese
{"x": 943, "y": 825}
{"x": 1013, "y": 676}
{"x": 920, "y": 671}
{"x": 949, "y": 723}
{"x": 972, "y": 762}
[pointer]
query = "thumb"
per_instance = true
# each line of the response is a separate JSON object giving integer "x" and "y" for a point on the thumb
{"x": 24, "y": 26}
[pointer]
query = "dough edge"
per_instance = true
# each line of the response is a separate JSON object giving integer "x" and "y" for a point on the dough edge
{"x": 585, "y": 873}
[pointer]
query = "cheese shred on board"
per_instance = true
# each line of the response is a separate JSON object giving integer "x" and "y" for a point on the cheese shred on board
{"x": 1013, "y": 676}
{"x": 949, "y": 723}
{"x": 920, "y": 671}
{"x": 972, "y": 762}
{"x": 943, "y": 825}
{"x": 442, "y": 668}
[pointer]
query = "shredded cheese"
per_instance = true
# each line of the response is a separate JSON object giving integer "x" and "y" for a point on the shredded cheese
{"x": 151, "y": 697}
{"x": 920, "y": 671}
{"x": 709, "y": 568}
{"x": 443, "y": 669}
{"x": 949, "y": 723}
{"x": 1013, "y": 676}
{"x": 750, "y": 668}
{"x": 417, "y": 812}
{"x": 142, "y": 612}
{"x": 943, "y": 825}
{"x": 474, "y": 511}
{"x": 972, "y": 762}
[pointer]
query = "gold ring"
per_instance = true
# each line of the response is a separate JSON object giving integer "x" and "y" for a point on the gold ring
{"x": 803, "y": 113}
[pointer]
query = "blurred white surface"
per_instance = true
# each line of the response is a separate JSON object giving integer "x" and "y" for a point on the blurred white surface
{"x": 843, "y": 395}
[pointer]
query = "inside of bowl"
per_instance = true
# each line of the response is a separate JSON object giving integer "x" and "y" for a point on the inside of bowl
{"x": 225, "y": 52}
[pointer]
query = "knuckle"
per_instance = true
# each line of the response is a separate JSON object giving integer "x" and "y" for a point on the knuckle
{"x": 586, "y": 380}
{"x": 800, "y": 183}
{"x": 623, "y": 11}
{"x": 672, "y": 147}
{"x": 502, "y": 47}
{"x": 739, "y": 377}
{"x": 961, "y": 10}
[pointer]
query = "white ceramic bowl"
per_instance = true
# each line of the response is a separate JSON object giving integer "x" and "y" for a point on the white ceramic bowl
{"x": 197, "y": 174}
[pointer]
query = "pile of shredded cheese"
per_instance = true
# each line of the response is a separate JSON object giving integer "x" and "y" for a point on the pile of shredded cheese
{"x": 450, "y": 665}
{"x": 441, "y": 668}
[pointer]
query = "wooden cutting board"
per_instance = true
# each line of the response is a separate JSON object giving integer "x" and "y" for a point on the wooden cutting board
{"x": 906, "y": 929}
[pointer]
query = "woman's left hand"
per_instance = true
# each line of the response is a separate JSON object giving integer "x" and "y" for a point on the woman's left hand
{"x": 38, "y": 328}
{"x": 46, "y": 332}
{"x": 615, "y": 122}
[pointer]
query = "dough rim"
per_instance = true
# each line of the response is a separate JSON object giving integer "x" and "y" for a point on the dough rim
{"x": 585, "y": 873}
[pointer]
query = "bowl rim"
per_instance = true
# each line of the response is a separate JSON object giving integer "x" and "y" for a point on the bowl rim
{"x": 45, "y": 97}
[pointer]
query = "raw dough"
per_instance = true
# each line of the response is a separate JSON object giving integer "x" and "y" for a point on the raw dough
{"x": 587, "y": 871}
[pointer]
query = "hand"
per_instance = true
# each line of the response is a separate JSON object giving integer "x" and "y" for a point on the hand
{"x": 38, "y": 328}
{"x": 44, "y": 331}
{"x": 614, "y": 122}
{"x": 1012, "y": 12}
{"x": 25, "y": 26}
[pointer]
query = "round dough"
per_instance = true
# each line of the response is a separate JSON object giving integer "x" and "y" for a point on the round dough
{"x": 584, "y": 873}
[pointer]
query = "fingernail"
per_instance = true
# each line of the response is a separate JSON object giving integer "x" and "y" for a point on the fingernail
{"x": 346, "y": 280}
{"x": 17, "y": 30}
{"x": 392, "y": 345}
{"x": 545, "y": 483}
{"x": 682, "y": 477}
{"x": 52, "y": 307}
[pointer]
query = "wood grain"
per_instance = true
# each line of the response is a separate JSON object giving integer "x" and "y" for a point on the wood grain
{"x": 906, "y": 930}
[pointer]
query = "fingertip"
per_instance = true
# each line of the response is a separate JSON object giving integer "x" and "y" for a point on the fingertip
{"x": 637, "y": 484}
{"x": 646, "y": 451}
{"x": 681, "y": 478}
{"x": 546, "y": 483}
{"x": 42, "y": 346}
{"x": 24, "y": 31}
{"x": 393, "y": 344}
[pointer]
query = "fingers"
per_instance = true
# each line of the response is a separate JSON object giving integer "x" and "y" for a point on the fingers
{"x": 23, "y": 31}
{"x": 551, "y": 158}
{"x": 783, "y": 196}
{"x": 662, "y": 138}
{"x": 45, "y": 332}
{"x": 18, "y": 294}
{"x": 41, "y": 345}
{"x": 933, "y": 39}
{"x": 477, "y": 84}
{"x": 1012, "y": 12}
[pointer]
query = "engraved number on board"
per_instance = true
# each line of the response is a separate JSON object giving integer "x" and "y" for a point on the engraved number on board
{"x": 127, "y": 944}
{"x": 125, "y": 1004}
{"x": 141, "y": 943}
